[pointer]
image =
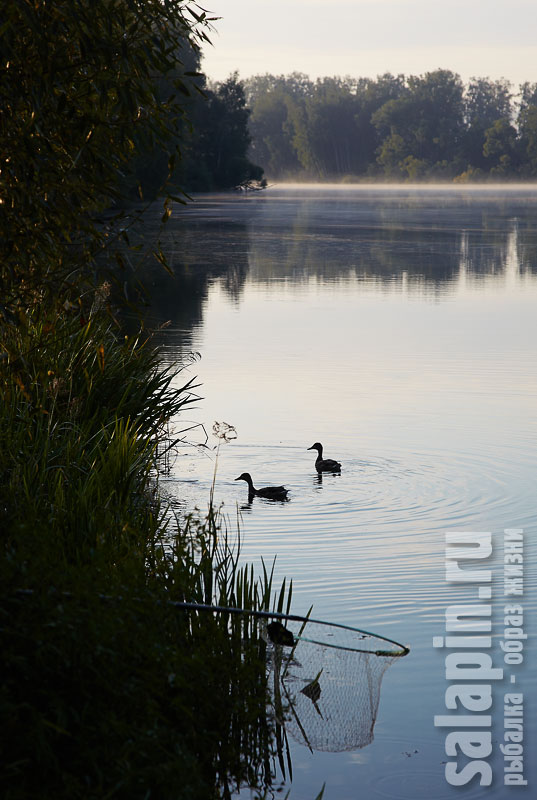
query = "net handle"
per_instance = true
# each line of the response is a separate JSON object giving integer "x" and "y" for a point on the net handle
{"x": 402, "y": 649}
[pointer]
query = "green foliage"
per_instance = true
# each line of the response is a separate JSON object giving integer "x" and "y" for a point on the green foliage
{"x": 330, "y": 130}
{"x": 501, "y": 147}
{"x": 272, "y": 126}
{"x": 485, "y": 102}
{"x": 215, "y": 153}
{"x": 81, "y": 414}
{"x": 78, "y": 97}
{"x": 528, "y": 139}
{"x": 109, "y": 689}
{"x": 211, "y": 143}
{"x": 392, "y": 154}
{"x": 414, "y": 128}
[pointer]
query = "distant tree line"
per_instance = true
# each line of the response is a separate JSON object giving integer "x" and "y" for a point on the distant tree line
{"x": 209, "y": 146}
{"x": 393, "y": 127}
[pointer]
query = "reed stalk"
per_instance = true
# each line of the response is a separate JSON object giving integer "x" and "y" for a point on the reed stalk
{"x": 110, "y": 690}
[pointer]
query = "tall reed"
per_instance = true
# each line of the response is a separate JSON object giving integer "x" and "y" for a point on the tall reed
{"x": 109, "y": 689}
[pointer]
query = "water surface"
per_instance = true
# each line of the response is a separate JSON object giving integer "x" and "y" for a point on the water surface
{"x": 399, "y": 328}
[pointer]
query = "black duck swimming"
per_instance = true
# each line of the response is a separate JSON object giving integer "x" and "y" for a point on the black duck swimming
{"x": 268, "y": 492}
{"x": 324, "y": 464}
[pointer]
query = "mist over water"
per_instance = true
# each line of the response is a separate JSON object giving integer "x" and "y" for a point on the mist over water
{"x": 398, "y": 327}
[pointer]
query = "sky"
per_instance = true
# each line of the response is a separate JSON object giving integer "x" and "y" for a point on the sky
{"x": 366, "y": 38}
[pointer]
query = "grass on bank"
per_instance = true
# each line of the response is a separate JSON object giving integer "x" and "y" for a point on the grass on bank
{"x": 107, "y": 690}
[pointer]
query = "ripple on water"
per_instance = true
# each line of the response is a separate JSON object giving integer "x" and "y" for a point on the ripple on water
{"x": 424, "y": 387}
{"x": 375, "y": 532}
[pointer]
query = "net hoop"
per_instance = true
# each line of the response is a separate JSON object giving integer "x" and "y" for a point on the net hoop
{"x": 399, "y": 651}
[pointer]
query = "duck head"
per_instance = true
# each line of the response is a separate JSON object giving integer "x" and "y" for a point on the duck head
{"x": 317, "y": 446}
{"x": 245, "y": 477}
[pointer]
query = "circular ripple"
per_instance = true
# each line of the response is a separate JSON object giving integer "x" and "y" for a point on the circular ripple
{"x": 374, "y": 532}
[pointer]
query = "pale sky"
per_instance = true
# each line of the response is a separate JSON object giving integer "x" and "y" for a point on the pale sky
{"x": 365, "y": 38}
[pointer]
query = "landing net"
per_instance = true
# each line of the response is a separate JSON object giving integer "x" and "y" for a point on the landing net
{"x": 325, "y": 678}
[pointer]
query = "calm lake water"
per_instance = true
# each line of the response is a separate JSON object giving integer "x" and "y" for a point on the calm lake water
{"x": 399, "y": 328}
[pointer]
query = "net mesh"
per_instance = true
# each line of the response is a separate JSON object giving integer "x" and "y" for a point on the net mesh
{"x": 326, "y": 685}
{"x": 325, "y": 678}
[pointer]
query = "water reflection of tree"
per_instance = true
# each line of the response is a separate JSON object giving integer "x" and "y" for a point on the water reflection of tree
{"x": 197, "y": 256}
{"x": 526, "y": 246}
{"x": 424, "y": 244}
{"x": 427, "y": 247}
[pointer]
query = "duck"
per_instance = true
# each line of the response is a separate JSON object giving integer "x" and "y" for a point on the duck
{"x": 268, "y": 492}
{"x": 324, "y": 464}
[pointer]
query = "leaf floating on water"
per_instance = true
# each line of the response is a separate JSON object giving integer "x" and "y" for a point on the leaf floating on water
{"x": 312, "y": 690}
{"x": 340, "y": 715}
